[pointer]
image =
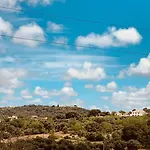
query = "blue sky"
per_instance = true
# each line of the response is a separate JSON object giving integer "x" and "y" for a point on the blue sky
{"x": 110, "y": 76}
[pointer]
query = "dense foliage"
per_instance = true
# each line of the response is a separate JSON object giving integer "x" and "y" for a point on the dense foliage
{"x": 84, "y": 129}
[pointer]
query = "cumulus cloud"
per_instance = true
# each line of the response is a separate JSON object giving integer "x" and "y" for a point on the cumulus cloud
{"x": 41, "y": 92}
{"x": 30, "y": 31}
{"x": 110, "y": 87}
{"x": 111, "y": 38}
{"x": 68, "y": 91}
{"x": 25, "y": 94}
{"x": 132, "y": 99}
{"x": 142, "y": 68}
{"x": 55, "y": 28}
{"x": 10, "y": 77}
{"x": 65, "y": 91}
{"x": 5, "y": 27}
{"x": 88, "y": 72}
{"x": 11, "y": 4}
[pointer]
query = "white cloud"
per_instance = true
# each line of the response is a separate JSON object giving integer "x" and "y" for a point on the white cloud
{"x": 132, "y": 99}
{"x": 60, "y": 41}
{"x": 110, "y": 87}
{"x": 10, "y": 77}
{"x": 7, "y": 91}
{"x": 7, "y": 59}
{"x": 89, "y": 86}
{"x": 36, "y": 101}
{"x": 94, "y": 107}
{"x": 16, "y": 4}
{"x": 10, "y": 4}
{"x": 111, "y": 38}
{"x": 25, "y": 94}
{"x": 30, "y": 31}
{"x": 68, "y": 91}
{"x": 41, "y": 92}
{"x": 62, "y": 64}
{"x": 5, "y": 27}
{"x": 53, "y": 103}
{"x": 88, "y": 72}
{"x": 55, "y": 28}
{"x": 65, "y": 91}
{"x": 78, "y": 102}
{"x": 142, "y": 68}
{"x": 130, "y": 88}
{"x": 43, "y": 2}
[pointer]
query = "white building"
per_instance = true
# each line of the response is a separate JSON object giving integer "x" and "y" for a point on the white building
{"x": 137, "y": 113}
{"x": 122, "y": 115}
{"x": 34, "y": 117}
{"x": 13, "y": 117}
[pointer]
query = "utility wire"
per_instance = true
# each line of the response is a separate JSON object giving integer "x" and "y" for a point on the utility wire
{"x": 74, "y": 45}
{"x": 71, "y": 18}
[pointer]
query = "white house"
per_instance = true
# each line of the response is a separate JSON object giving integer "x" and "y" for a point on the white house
{"x": 13, "y": 117}
{"x": 137, "y": 112}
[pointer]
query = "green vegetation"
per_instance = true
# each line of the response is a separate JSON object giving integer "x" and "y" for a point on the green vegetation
{"x": 72, "y": 128}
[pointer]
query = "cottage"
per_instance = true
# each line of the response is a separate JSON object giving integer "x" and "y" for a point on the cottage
{"x": 137, "y": 112}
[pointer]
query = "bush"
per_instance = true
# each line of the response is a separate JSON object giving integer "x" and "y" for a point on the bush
{"x": 94, "y": 137}
{"x": 133, "y": 145}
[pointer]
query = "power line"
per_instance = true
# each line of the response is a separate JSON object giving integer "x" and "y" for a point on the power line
{"x": 72, "y": 18}
{"x": 74, "y": 45}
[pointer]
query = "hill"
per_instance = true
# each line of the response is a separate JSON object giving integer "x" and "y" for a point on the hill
{"x": 40, "y": 111}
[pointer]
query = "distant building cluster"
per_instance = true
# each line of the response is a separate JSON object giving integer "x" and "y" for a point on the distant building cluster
{"x": 32, "y": 117}
{"x": 134, "y": 112}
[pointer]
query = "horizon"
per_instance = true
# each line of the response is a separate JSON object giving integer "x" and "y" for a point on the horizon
{"x": 95, "y": 55}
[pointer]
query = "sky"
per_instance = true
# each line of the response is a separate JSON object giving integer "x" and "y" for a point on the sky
{"x": 94, "y": 55}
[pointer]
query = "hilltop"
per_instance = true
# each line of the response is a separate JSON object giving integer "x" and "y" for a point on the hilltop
{"x": 40, "y": 111}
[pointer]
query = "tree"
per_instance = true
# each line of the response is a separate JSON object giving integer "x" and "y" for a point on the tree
{"x": 94, "y": 112}
{"x": 72, "y": 115}
{"x": 130, "y": 132}
{"x": 76, "y": 127}
{"x": 122, "y": 112}
{"x": 105, "y": 127}
{"x": 105, "y": 113}
{"x": 92, "y": 127}
{"x": 113, "y": 113}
